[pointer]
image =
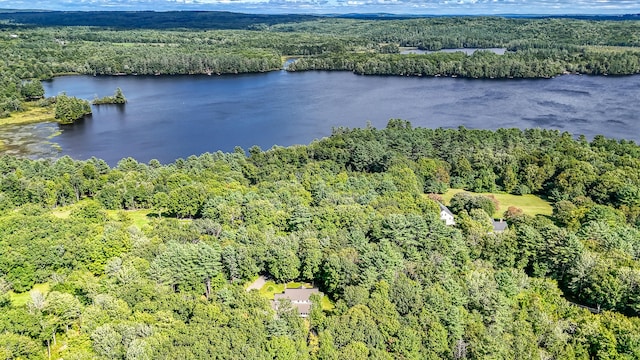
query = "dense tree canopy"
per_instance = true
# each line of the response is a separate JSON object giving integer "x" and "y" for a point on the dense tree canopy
{"x": 70, "y": 109}
{"x": 149, "y": 260}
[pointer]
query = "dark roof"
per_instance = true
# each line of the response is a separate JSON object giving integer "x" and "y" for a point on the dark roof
{"x": 445, "y": 209}
{"x": 499, "y": 225}
{"x": 297, "y": 295}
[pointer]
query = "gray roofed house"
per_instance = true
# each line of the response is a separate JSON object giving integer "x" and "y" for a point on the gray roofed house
{"x": 446, "y": 215}
{"x": 499, "y": 226}
{"x": 300, "y": 298}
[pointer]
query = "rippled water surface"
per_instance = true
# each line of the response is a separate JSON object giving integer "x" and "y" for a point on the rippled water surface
{"x": 171, "y": 117}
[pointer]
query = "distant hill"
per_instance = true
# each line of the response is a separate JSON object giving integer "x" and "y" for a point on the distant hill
{"x": 582, "y": 17}
{"x": 149, "y": 19}
{"x": 387, "y": 16}
{"x": 218, "y": 19}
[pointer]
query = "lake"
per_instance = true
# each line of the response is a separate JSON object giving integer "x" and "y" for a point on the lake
{"x": 466, "y": 51}
{"x": 171, "y": 117}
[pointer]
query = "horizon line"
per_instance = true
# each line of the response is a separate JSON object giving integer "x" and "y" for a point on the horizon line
{"x": 240, "y": 11}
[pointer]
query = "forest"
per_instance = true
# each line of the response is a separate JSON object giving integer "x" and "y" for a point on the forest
{"x": 151, "y": 261}
{"x": 39, "y": 46}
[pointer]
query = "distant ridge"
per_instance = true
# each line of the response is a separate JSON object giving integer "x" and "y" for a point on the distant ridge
{"x": 222, "y": 19}
{"x": 149, "y": 19}
{"x": 388, "y": 16}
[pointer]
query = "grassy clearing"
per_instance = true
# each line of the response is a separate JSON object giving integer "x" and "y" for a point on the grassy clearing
{"x": 21, "y": 299}
{"x": 140, "y": 218}
{"x": 530, "y": 204}
{"x": 612, "y": 49}
{"x": 327, "y": 305}
{"x": 295, "y": 285}
{"x": 63, "y": 212}
{"x": 270, "y": 288}
{"x": 32, "y": 114}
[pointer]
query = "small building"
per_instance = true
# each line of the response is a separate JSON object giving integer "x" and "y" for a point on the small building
{"x": 446, "y": 215}
{"x": 499, "y": 226}
{"x": 300, "y": 298}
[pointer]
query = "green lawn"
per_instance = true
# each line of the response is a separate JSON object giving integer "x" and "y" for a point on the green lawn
{"x": 530, "y": 204}
{"x": 61, "y": 212}
{"x": 270, "y": 288}
{"x": 21, "y": 299}
{"x": 139, "y": 217}
{"x": 327, "y": 304}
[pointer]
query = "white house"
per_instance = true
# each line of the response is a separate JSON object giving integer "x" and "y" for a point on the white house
{"x": 499, "y": 226}
{"x": 300, "y": 298}
{"x": 446, "y": 215}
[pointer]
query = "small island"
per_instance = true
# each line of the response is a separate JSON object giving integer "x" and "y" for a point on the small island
{"x": 70, "y": 109}
{"x": 117, "y": 98}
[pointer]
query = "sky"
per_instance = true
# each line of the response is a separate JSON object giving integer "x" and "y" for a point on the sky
{"x": 418, "y": 7}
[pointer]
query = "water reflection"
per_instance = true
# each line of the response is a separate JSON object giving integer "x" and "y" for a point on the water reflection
{"x": 171, "y": 117}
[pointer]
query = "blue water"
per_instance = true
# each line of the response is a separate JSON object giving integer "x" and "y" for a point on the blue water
{"x": 171, "y": 117}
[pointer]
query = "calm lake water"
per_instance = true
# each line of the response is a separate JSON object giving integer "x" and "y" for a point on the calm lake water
{"x": 171, "y": 117}
{"x": 467, "y": 51}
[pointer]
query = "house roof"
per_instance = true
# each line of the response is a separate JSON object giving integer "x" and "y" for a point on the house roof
{"x": 499, "y": 225}
{"x": 299, "y": 299}
{"x": 445, "y": 209}
{"x": 304, "y": 308}
{"x": 297, "y": 295}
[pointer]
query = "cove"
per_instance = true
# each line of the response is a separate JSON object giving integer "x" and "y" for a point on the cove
{"x": 177, "y": 116}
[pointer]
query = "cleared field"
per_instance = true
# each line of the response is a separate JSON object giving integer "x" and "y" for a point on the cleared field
{"x": 530, "y": 204}
{"x": 139, "y": 217}
{"x": 21, "y": 299}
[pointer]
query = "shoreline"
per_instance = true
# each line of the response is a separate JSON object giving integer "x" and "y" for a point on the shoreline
{"x": 33, "y": 114}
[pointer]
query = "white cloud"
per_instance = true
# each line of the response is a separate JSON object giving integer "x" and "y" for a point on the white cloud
{"x": 394, "y": 6}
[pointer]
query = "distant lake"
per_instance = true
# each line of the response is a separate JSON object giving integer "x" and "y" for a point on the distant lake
{"x": 467, "y": 51}
{"x": 171, "y": 117}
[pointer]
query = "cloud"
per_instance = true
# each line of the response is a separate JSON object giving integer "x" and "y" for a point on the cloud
{"x": 330, "y": 6}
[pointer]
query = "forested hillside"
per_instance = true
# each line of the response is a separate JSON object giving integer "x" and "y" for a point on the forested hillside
{"x": 150, "y": 261}
{"x": 225, "y": 43}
